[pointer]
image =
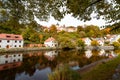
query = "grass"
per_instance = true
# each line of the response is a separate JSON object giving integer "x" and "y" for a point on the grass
{"x": 103, "y": 71}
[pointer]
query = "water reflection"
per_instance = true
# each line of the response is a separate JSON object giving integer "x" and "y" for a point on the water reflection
{"x": 50, "y": 55}
{"x": 9, "y": 61}
{"x": 88, "y": 53}
{"x": 37, "y": 65}
{"x": 38, "y": 75}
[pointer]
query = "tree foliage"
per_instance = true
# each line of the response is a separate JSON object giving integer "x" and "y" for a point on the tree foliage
{"x": 26, "y": 10}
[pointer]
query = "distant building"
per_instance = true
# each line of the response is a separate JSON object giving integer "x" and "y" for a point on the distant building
{"x": 11, "y": 41}
{"x": 51, "y": 42}
{"x": 87, "y": 41}
{"x": 112, "y": 38}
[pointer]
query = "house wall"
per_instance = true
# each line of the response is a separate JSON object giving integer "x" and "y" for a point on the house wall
{"x": 10, "y": 58}
{"x": 11, "y": 43}
{"x": 51, "y": 44}
{"x": 87, "y": 42}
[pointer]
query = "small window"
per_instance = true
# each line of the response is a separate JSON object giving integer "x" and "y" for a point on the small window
{"x": 14, "y": 55}
{"x": 19, "y": 41}
{"x": 18, "y": 59}
{"x": 0, "y": 40}
{"x": 8, "y": 41}
{"x": 16, "y": 36}
{"x": 14, "y": 60}
{"x": 15, "y": 41}
{"x": 8, "y": 36}
{"x": 15, "y": 46}
{"x": 6, "y": 56}
{"x": 19, "y": 45}
{"x": 6, "y": 61}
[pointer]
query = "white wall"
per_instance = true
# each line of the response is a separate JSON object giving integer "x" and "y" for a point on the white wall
{"x": 51, "y": 44}
{"x": 11, "y": 43}
{"x": 10, "y": 58}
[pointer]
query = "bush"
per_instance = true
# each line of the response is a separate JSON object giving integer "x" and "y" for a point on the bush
{"x": 94, "y": 43}
{"x": 116, "y": 44}
{"x": 64, "y": 73}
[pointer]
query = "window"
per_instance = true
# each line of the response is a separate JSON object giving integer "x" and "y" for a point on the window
{"x": 15, "y": 46}
{"x": 6, "y": 61}
{"x": 14, "y": 55}
{"x": 19, "y": 55}
{"x": 14, "y": 60}
{"x": 8, "y": 41}
{"x": 8, "y": 36}
{"x": 0, "y": 40}
{"x": 0, "y": 46}
{"x": 6, "y": 56}
{"x": 19, "y": 45}
{"x": 16, "y": 36}
{"x": 15, "y": 41}
{"x": 19, "y": 41}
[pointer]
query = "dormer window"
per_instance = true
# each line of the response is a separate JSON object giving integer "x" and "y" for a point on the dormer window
{"x": 16, "y": 37}
{"x": 8, "y": 36}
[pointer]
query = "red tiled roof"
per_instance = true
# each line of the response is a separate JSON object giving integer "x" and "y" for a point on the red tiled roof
{"x": 11, "y": 37}
{"x": 50, "y": 39}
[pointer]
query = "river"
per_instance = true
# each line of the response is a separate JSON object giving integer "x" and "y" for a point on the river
{"x": 37, "y": 65}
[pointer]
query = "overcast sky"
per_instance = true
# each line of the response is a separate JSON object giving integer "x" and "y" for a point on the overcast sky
{"x": 68, "y": 20}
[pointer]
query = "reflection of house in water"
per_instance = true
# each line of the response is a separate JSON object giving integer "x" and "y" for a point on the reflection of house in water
{"x": 50, "y": 55}
{"x": 111, "y": 54}
{"x": 102, "y": 52}
{"x": 74, "y": 65}
{"x": 88, "y": 53}
{"x": 10, "y": 61}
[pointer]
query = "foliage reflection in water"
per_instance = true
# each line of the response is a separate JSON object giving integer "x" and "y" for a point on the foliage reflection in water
{"x": 37, "y": 65}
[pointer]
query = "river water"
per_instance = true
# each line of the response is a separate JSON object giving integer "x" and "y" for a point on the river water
{"x": 38, "y": 64}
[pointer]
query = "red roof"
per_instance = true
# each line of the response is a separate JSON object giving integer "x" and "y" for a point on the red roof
{"x": 50, "y": 39}
{"x": 11, "y": 37}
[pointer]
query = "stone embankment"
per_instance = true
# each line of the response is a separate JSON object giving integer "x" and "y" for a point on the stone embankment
{"x": 99, "y": 47}
{"x": 26, "y": 49}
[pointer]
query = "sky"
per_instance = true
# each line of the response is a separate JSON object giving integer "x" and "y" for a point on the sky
{"x": 68, "y": 20}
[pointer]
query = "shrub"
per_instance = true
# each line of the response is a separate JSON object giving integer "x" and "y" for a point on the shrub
{"x": 94, "y": 43}
{"x": 116, "y": 44}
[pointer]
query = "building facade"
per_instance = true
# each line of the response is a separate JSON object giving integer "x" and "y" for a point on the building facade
{"x": 11, "y": 41}
{"x": 51, "y": 42}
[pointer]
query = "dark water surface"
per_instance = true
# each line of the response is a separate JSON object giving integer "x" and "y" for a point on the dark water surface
{"x": 38, "y": 64}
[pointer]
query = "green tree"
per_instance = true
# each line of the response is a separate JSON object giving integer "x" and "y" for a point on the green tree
{"x": 53, "y": 29}
{"x": 80, "y": 43}
{"x": 116, "y": 44}
{"x": 79, "y": 29}
{"x": 26, "y": 10}
{"x": 94, "y": 43}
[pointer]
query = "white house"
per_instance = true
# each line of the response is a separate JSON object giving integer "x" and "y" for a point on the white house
{"x": 87, "y": 41}
{"x": 11, "y": 41}
{"x": 114, "y": 38}
{"x": 51, "y": 42}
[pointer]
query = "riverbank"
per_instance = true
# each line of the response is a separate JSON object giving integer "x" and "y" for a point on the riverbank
{"x": 27, "y": 49}
{"x": 101, "y": 71}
